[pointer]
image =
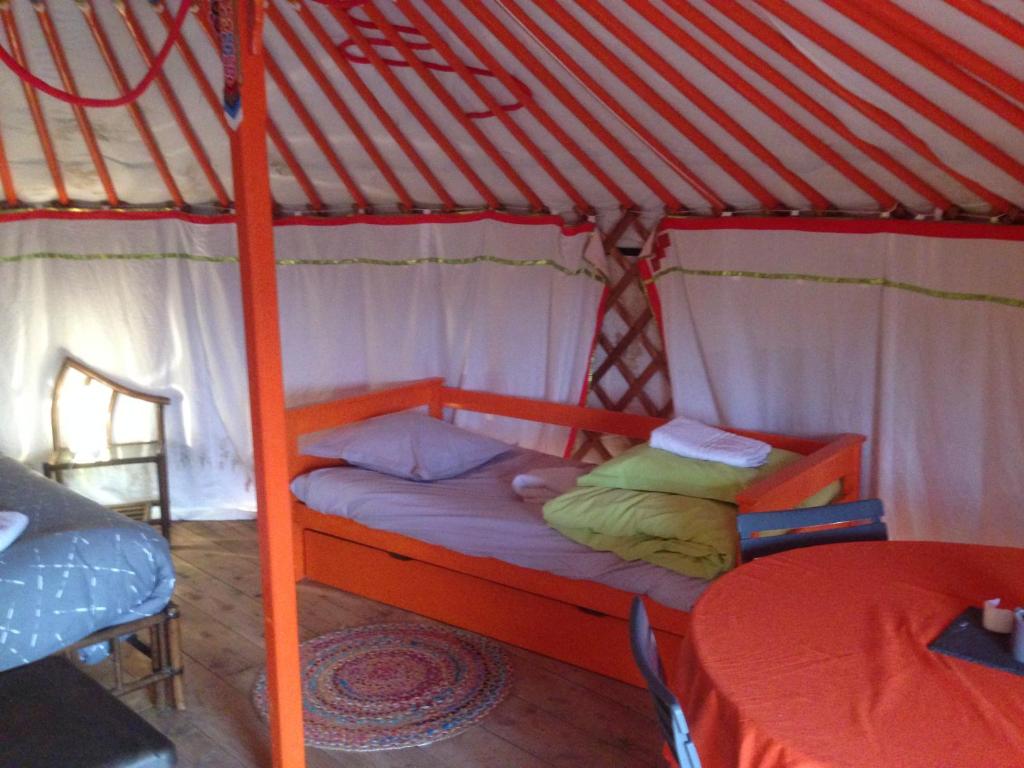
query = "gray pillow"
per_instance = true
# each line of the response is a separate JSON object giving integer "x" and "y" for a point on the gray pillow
{"x": 407, "y": 444}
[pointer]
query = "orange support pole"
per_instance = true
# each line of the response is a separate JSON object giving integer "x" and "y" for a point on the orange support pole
{"x": 117, "y": 75}
{"x": 886, "y": 23}
{"x": 6, "y": 180}
{"x": 382, "y": 115}
{"x": 266, "y": 398}
{"x": 513, "y": 86}
{"x": 694, "y": 95}
{"x": 142, "y": 44}
{"x": 742, "y": 53}
{"x": 872, "y": 71}
{"x": 88, "y": 135}
{"x": 454, "y": 109}
{"x": 994, "y": 19}
{"x": 782, "y": 46}
{"x": 668, "y": 112}
{"x": 38, "y": 118}
{"x": 427, "y": 31}
{"x": 734, "y": 80}
{"x": 410, "y": 102}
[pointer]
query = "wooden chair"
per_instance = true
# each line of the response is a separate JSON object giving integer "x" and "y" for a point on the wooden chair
{"x": 99, "y": 422}
{"x": 765, "y": 533}
{"x": 670, "y": 714}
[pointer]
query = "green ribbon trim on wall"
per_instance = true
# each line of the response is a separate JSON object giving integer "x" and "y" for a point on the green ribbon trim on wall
{"x": 587, "y": 270}
{"x": 879, "y": 282}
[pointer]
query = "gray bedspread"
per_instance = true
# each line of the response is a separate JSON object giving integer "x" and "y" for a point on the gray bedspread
{"x": 77, "y": 568}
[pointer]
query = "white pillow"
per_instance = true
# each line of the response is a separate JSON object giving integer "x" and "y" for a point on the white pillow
{"x": 11, "y": 526}
{"x": 410, "y": 445}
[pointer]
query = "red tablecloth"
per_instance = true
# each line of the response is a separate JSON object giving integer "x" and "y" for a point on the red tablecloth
{"x": 818, "y": 657}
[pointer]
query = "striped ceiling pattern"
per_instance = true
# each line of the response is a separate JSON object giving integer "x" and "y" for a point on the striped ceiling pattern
{"x": 707, "y": 107}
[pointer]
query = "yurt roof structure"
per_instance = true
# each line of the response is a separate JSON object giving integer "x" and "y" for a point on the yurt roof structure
{"x": 624, "y": 111}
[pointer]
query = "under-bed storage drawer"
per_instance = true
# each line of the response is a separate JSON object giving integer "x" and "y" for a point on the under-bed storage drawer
{"x": 554, "y": 628}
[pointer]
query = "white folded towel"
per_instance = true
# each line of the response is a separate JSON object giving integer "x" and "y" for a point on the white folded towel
{"x": 540, "y": 486}
{"x": 690, "y": 438}
{"x": 11, "y": 526}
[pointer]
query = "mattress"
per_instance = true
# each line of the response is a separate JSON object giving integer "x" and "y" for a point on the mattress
{"x": 77, "y": 568}
{"x": 478, "y": 514}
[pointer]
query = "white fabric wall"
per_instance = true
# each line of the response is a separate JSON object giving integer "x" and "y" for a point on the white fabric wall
{"x": 489, "y": 302}
{"x": 910, "y": 334}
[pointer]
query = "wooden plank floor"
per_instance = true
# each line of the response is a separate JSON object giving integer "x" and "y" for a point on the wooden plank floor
{"x": 556, "y": 715}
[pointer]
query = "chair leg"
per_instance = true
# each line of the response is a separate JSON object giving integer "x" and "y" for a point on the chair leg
{"x": 158, "y": 660}
{"x": 175, "y": 657}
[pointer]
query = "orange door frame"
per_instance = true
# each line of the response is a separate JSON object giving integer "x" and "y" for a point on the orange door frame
{"x": 266, "y": 399}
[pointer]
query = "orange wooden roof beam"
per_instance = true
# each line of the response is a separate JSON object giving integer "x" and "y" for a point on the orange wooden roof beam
{"x": 689, "y": 91}
{"x": 732, "y": 78}
{"x": 99, "y": 34}
{"x": 880, "y": 24}
{"x": 313, "y": 128}
{"x": 514, "y": 87}
{"x": 406, "y": 97}
{"x": 616, "y": 66}
{"x": 198, "y": 151}
{"x": 873, "y": 72}
{"x": 84, "y": 125}
{"x": 384, "y": 25}
{"x": 38, "y": 118}
{"x": 6, "y": 180}
{"x": 427, "y": 31}
{"x": 213, "y": 100}
{"x": 949, "y": 49}
{"x": 993, "y": 18}
{"x": 771, "y": 37}
{"x": 581, "y": 113}
{"x": 382, "y": 115}
{"x": 756, "y": 64}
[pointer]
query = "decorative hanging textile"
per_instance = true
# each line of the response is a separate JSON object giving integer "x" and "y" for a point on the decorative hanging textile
{"x": 222, "y": 18}
{"x": 488, "y": 301}
{"x": 912, "y": 334}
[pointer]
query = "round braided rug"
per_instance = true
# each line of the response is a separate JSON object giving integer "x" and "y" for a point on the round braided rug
{"x": 388, "y": 686}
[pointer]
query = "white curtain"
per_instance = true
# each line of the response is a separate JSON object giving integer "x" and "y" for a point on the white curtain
{"x": 501, "y": 303}
{"x": 912, "y": 334}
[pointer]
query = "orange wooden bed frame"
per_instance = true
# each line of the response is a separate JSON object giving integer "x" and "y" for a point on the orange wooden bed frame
{"x": 577, "y": 621}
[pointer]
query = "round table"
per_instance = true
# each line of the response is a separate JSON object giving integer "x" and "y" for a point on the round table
{"x": 818, "y": 657}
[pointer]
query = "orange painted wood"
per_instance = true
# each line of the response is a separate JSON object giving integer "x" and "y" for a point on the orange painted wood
{"x": 883, "y": 79}
{"x": 452, "y": 59}
{"x": 382, "y": 114}
{"x": 491, "y": 596}
{"x": 99, "y": 34}
{"x": 701, "y": 101}
{"x": 824, "y": 115}
{"x": 566, "y": 98}
{"x": 779, "y": 44}
{"x": 138, "y": 35}
{"x": 6, "y": 180}
{"x": 486, "y": 605}
{"x": 56, "y": 47}
{"x": 734, "y": 80}
{"x": 411, "y": 103}
{"x": 38, "y": 118}
{"x": 993, "y": 18}
{"x": 266, "y": 397}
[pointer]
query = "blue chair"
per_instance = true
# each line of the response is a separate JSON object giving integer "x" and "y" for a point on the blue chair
{"x": 666, "y": 705}
{"x": 867, "y": 516}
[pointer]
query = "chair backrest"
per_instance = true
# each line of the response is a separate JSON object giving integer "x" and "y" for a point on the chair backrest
{"x": 91, "y": 411}
{"x": 765, "y": 533}
{"x": 670, "y": 714}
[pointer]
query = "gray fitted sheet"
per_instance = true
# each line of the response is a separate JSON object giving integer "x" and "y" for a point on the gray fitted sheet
{"x": 478, "y": 514}
{"x": 77, "y": 568}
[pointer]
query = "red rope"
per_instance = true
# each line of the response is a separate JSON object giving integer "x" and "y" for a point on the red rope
{"x": 130, "y": 96}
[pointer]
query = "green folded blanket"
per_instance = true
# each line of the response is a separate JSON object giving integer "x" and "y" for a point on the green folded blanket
{"x": 695, "y": 537}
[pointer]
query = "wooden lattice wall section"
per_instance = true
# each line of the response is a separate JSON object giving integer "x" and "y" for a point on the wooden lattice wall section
{"x": 629, "y": 370}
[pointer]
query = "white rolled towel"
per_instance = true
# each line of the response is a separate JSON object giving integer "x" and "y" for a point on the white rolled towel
{"x": 695, "y": 440}
{"x": 12, "y": 524}
{"x": 540, "y": 486}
